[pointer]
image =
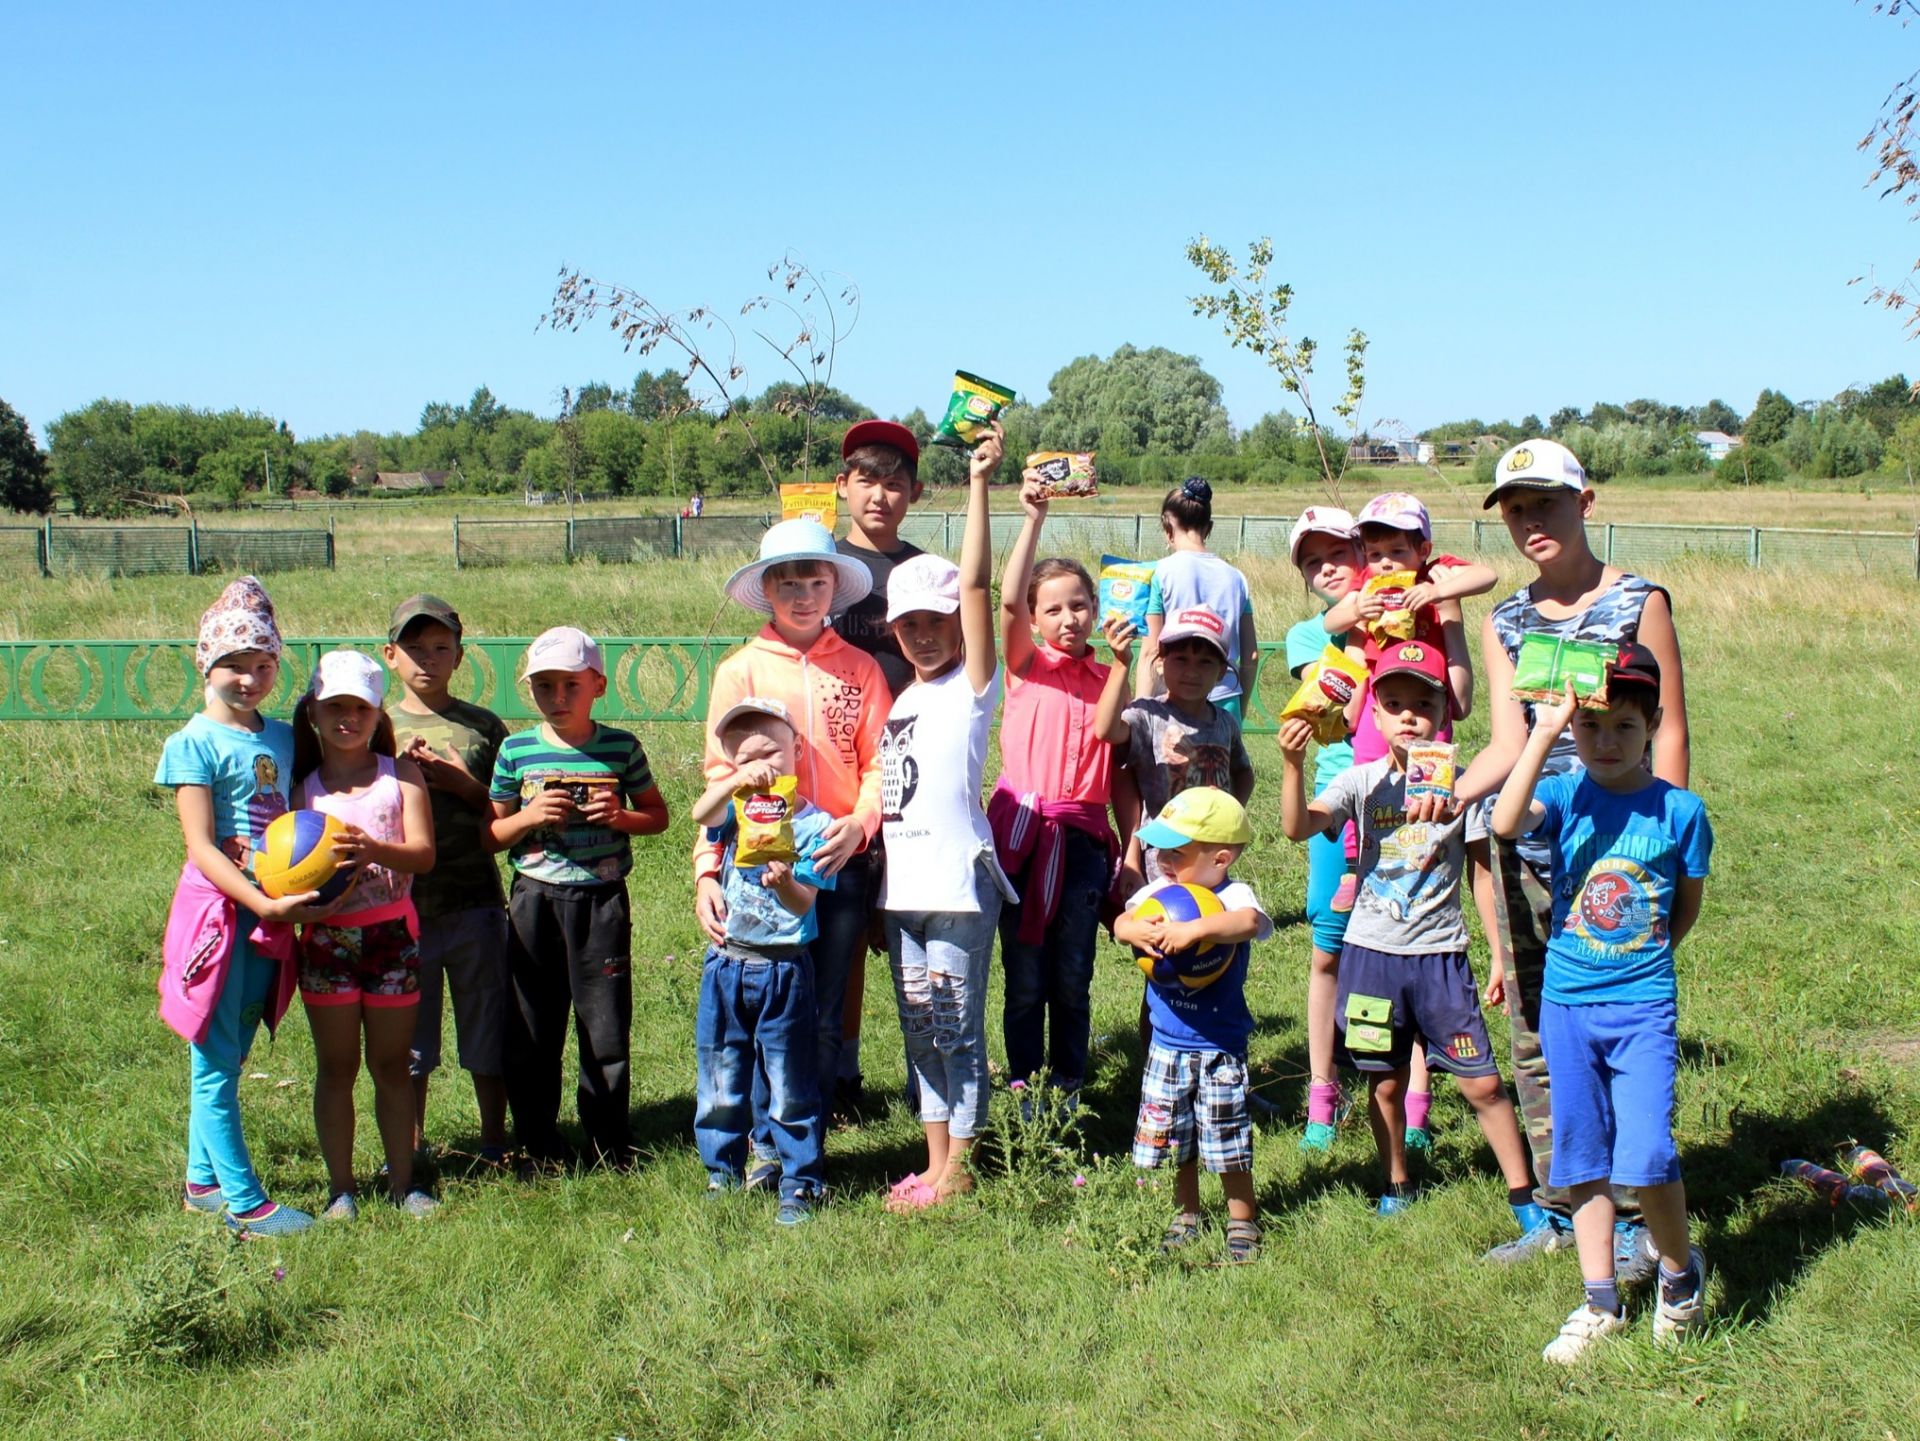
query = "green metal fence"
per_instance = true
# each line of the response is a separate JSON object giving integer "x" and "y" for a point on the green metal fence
{"x": 189, "y": 549}
{"x": 604, "y": 538}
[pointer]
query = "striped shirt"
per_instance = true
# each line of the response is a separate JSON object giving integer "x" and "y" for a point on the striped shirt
{"x": 576, "y": 854}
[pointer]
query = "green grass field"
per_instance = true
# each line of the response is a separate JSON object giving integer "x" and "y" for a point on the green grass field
{"x": 607, "y": 1306}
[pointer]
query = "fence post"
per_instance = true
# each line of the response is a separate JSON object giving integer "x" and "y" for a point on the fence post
{"x": 329, "y": 547}
{"x": 193, "y": 545}
{"x": 46, "y": 547}
{"x": 1136, "y": 533}
{"x": 456, "y": 542}
{"x": 1609, "y": 554}
{"x": 1478, "y": 547}
{"x": 1753, "y": 547}
{"x": 1243, "y": 535}
{"x": 678, "y": 525}
{"x": 570, "y": 555}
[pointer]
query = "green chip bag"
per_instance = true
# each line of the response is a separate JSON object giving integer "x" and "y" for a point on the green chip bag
{"x": 974, "y": 405}
{"x": 1547, "y": 662}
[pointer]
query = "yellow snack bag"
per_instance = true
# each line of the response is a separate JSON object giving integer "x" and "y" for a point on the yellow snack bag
{"x": 1069, "y": 474}
{"x": 1326, "y": 687}
{"x": 765, "y": 818}
{"x": 1398, "y": 622}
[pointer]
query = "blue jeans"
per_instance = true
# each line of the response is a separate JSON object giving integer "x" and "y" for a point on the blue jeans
{"x": 216, "y": 1151}
{"x": 1049, "y": 1002}
{"x": 841, "y": 914}
{"x": 754, "y": 1031}
{"x": 940, "y": 963}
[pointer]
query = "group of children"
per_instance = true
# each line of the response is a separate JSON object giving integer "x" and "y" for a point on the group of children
{"x": 845, "y": 759}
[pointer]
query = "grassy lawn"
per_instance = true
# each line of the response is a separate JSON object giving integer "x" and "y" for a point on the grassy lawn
{"x": 606, "y": 1306}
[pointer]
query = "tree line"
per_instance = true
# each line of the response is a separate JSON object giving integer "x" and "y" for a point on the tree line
{"x": 1152, "y": 414}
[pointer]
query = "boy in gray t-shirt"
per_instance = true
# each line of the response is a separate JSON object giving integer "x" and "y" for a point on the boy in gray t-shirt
{"x": 1403, "y": 970}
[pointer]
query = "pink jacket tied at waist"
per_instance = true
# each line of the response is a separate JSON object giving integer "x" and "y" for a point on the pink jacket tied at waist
{"x": 1030, "y": 836}
{"x": 197, "y": 955}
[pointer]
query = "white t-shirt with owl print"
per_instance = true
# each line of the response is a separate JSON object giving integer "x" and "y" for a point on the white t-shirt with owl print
{"x": 933, "y": 759}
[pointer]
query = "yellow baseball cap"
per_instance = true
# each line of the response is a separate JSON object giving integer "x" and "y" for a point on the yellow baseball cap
{"x": 1203, "y": 813}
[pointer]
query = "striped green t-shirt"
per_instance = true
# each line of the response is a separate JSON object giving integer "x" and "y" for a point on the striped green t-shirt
{"x": 577, "y": 854}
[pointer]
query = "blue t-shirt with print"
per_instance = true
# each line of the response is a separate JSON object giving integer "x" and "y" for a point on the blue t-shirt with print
{"x": 1215, "y": 1017}
{"x": 1617, "y": 860}
{"x": 755, "y": 916}
{"x": 248, "y": 772}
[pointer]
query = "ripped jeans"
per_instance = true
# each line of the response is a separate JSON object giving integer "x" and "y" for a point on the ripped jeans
{"x": 940, "y": 961}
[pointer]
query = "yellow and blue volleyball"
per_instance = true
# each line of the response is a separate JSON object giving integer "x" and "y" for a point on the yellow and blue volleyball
{"x": 1195, "y": 968}
{"x": 296, "y": 855}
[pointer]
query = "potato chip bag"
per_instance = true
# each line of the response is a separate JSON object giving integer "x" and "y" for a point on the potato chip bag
{"x": 765, "y": 819}
{"x": 974, "y": 405}
{"x": 1397, "y": 623}
{"x": 1430, "y": 769}
{"x": 1067, "y": 473}
{"x": 1546, "y": 663}
{"x": 1326, "y": 686}
{"x": 1124, "y": 588}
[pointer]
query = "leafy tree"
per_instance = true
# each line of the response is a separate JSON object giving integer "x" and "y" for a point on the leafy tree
{"x": 595, "y": 395}
{"x": 1563, "y": 419}
{"x": 95, "y": 460}
{"x": 1531, "y": 425}
{"x": 1882, "y": 405}
{"x": 1133, "y": 402}
{"x": 1751, "y": 464}
{"x": 23, "y": 465}
{"x": 654, "y": 396}
{"x": 439, "y": 415}
{"x": 1768, "y": 421}
{"x": 1830, "y": 444}
{"x": 1715, "y": 415}
{"x": 483, "y": 410}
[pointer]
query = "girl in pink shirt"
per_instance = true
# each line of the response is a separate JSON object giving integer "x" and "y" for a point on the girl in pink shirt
{"x": 1049, "y": 810}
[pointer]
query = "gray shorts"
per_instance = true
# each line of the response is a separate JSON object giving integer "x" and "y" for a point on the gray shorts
{"x": 466, "y": 950}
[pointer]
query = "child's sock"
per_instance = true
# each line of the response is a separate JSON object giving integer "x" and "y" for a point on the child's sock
{"x": 194, "y": 1188}
{"x": 1677, "y": 1286}
{"x": 1419, "y": 1105}
{"x": 1604, "y": 1296}
{"x": 1323, "y": 1098}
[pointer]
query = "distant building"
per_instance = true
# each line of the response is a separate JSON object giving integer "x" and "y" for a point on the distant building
{"x": 1716, "y": 443}
{"x": 1390, "y": 452}
{"x": 414, "y": 479}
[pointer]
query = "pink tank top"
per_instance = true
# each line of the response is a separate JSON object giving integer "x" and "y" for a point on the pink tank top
{"x": 377, "y": 812}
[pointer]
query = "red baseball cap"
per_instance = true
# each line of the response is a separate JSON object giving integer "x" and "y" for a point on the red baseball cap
{"x": 881, "y": 432}
{"x": 1413, "y": 657}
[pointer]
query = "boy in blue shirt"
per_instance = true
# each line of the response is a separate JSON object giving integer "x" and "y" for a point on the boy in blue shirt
{"x": 1630, "y": 855}
{"x": 1193, "y": 1089}
{"x": 756, "y": 989}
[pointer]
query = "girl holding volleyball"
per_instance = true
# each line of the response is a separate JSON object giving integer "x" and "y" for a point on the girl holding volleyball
{"x": 229, "y": 948}
{"x": 360, "y": 967}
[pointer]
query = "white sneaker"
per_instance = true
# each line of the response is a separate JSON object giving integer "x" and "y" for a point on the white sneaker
{"x": 1674, "y": 1321}
{"x": 1584, "y": 1327}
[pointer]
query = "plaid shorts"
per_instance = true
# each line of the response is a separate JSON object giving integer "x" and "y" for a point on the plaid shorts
{"x": 1189, "y": 1095}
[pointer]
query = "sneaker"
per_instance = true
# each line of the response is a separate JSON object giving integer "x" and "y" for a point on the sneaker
{"x": 210, "y": 1200}
{"x": 1344, "y": 894}
{"x": 1636, "y": 1260}
{"x": 794, "y": 1211}
{"x": 343, "y": 1207}
{"x": 1418, "y": 1138}
{"x": 494, "y": 1157}
{"x": 1582, "y": 1329}
{"x": 1318, "y": 1137}
{"x": 270, "y": 1219}
{"x": 1390, "y": 1205}
{"x": 418, "y": 1204}
{"x": 763, "y": 1174}
{"x": 1674, "y": 1321}
{"x": 1183, "y": 1231}
{"x": 1551, "y": 1233}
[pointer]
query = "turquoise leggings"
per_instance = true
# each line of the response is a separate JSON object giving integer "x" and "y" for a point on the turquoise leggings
{"x": 1326, "y": 863}
{"x": 216, "y": 1151}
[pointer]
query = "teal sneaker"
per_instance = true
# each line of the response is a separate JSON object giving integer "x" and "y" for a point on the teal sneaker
{"x": 794, "y": 1211}
{"x": 1392, "y": 1205}
{"x": 1418, "y": 1138}
{"x": 269, "y": 1219}
{"x": 1317, "y": 1137}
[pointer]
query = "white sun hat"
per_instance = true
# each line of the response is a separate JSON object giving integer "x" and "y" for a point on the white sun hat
{"x": 923, "y": 582}
{"x": 800, "y": 540}
{"x": 349, "y": 672}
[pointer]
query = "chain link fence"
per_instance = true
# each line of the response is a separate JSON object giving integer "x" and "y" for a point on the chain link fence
{"x": 128, "y": 550}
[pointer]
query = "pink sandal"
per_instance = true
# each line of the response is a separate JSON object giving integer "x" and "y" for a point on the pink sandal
{"x": 911, "y": 1193}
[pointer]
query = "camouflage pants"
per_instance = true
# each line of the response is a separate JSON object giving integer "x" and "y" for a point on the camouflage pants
{"x": 1523, "y": 898}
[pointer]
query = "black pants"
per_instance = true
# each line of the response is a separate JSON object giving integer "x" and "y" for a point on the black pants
{"x": 569, "y": 946}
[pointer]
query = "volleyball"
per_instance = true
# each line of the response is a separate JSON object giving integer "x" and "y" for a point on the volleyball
{"x": 296, "y": 855}
{"x": 1192, "y": 969}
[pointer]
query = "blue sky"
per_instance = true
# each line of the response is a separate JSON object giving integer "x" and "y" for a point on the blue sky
{"x": 340, "y": 216}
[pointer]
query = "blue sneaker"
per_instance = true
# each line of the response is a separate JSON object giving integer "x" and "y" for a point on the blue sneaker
{"x": 271, "y": 1219}
{"x": 794, "y": 1211}
{"x": 1417, "y": 1138}
{"x": 210, "y": 1202}
{"x": 1636, "y": 1260}
{"x": 1549, "y": 1233}
{"x": 1392, "y": 1205}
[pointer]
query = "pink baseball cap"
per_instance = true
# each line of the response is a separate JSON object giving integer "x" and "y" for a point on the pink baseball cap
{"x": 1318, "y": 520}
{"x": 923, "y": 582}
{"x": 1195, "y": 621}
{"x": 1397, "y": 509}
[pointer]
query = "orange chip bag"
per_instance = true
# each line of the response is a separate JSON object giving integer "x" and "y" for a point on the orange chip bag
{"x": 1326, "y": 686}
{"x": 1397, "y": 623}
{"x": 765, "y": 818}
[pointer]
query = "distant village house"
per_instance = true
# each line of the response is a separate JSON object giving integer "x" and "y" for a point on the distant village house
{"x": 1716, "y": 443}
{"x": 418, "y": 480}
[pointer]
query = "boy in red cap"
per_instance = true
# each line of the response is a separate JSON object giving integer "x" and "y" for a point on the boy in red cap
{"x": 1403, "y": 968}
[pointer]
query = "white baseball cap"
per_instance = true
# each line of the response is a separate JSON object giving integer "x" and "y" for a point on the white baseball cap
{"x": 800, "y": 539}
{"x": 1536, "y": 465}
{"x": 923, "y": 582}
{"x": 1397, "y": 509}
{"x": 753, "y": 705}
{"x": 348, "y": 672}
{"x": 563, "y": 648}
{"x": 1318, "y": 520}
{"x": 1196, "y": 621}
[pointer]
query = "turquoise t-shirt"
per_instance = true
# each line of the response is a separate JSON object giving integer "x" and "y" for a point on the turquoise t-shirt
{"x": 1306, "y": 641}
{"x": 248, "y": 772}
{"x": 1617, "y": 860}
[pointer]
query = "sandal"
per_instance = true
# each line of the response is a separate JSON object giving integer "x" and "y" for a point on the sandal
{"x": 1184, "y": 1231}
{"x": 912, "y": 1194}
{"x": 1243, "y": 1242}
